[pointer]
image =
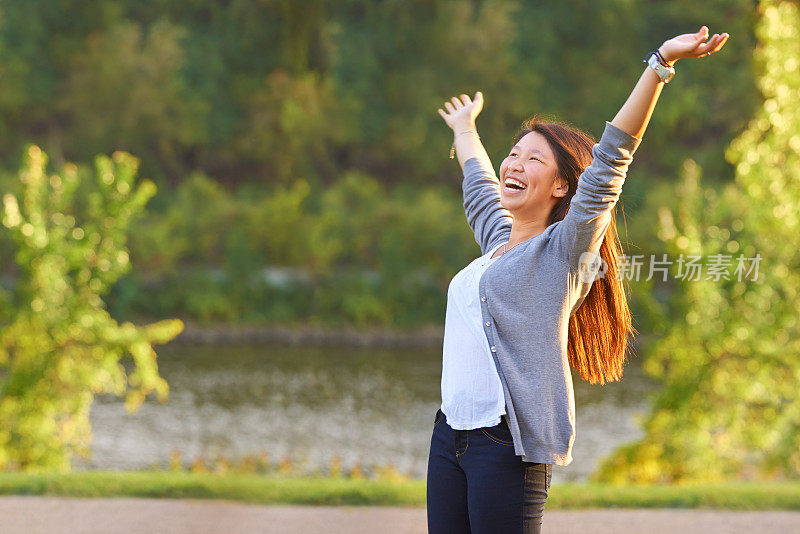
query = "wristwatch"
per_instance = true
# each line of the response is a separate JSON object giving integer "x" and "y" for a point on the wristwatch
{"x": 666, "y": 73}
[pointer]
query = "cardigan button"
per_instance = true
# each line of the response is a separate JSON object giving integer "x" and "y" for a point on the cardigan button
{"x": 493, "y": 348}
{"x": 483, "y": 299}
{"x": 488, "y": 323}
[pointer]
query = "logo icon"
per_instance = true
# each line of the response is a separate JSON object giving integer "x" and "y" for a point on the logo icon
{"x": 591, "y": 266}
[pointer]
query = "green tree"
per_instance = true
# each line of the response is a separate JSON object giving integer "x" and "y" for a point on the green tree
{"x": 730, "y": 406}
{"x": 60, "y": 346}
{"x": 124, "y": 91}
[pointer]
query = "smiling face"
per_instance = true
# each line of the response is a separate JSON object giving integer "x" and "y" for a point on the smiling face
{"x": 530, "y": 187}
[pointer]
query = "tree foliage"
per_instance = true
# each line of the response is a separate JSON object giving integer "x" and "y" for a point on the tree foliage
{"x": 730, "y": 363}
{"x": 226, "y": 102}
{"x": 272, "y": 90}
{"x": 58, "y": 345}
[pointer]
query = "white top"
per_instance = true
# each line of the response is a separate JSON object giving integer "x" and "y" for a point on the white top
{"x": 472, "y": 394}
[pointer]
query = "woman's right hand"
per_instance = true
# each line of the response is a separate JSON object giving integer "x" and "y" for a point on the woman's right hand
{"x": 461, "y": 113}
{"x": 692, "y": 45}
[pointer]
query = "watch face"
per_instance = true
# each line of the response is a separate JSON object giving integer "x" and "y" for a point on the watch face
{"x": 663, "y": 72}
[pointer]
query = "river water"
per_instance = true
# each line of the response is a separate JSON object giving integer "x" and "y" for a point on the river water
{"x": 311, "y": 404}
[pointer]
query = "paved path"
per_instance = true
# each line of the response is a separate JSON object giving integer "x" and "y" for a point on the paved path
{"x": 50, "y": 515}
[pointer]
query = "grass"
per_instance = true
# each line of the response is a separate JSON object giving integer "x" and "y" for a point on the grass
{"x": 281, "y": 489}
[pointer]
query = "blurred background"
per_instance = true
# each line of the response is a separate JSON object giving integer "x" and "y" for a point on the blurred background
{"x": 210, "y": 166}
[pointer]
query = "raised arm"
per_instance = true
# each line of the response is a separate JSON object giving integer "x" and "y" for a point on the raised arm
{"x": 489, "y": 220}
{"x": 635, "y": 113}
{"x": 460, "y": 117}
{"x": 481, "y": 188}
{"x": 600, "y": 184}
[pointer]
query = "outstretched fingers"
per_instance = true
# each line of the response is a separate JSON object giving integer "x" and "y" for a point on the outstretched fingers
{"x": 713, "y": 45}
{"x": 722, "y": 40}
{"x": 461, "y": 108}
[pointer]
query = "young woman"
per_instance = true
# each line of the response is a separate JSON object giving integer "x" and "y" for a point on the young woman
{"x": 543, "y": 298}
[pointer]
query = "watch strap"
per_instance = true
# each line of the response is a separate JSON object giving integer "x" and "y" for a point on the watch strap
{"x": 665, "y": 73}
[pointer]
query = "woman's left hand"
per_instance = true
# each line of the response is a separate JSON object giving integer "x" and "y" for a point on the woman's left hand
{"x": 692, "y": 45}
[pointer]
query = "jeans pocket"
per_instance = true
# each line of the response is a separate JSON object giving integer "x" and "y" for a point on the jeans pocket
{"x": 499, "y": 434}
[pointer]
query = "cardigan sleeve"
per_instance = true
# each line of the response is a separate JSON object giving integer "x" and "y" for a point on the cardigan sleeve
{"x": 488, "y": 219}
{"x": 599, "y": 188}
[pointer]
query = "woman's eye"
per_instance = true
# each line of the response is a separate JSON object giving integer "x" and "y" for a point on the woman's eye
{"x": 537, "y": 159}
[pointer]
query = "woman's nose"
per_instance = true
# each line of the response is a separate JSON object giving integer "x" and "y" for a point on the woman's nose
{"x": 516, "y": 165}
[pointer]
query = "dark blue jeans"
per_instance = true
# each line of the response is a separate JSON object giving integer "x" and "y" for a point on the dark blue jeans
{"x": 477, "y": 484}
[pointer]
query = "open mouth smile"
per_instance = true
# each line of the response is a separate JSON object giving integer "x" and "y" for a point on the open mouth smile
{"x": 512, "y": 186}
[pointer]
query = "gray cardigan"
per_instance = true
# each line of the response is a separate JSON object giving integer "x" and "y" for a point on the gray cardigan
{"x": 529, "y": 294}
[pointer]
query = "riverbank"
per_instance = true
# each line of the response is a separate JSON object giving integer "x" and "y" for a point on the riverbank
{"x": 347, "y": 336}
{"x": 279, "y": 489}
{"x": 429, "y": 336}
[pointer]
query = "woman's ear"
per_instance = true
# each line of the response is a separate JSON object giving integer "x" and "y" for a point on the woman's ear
{"x": 562, "y": 187}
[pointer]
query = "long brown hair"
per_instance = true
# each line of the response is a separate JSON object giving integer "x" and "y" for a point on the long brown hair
{"x": 599, "y": 328}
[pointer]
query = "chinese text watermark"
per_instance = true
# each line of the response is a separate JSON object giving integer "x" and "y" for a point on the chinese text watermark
{"x": 687, "y": 267}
